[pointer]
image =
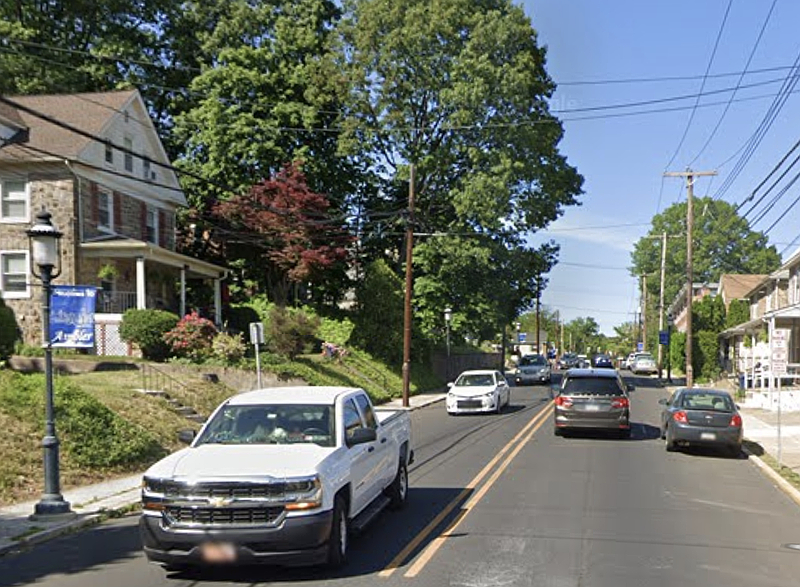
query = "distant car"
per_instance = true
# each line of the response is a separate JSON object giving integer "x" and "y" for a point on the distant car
{"x": 582, "y": 362}
{"x": 567, "y": 361}
{"x": 592, "y": 399}
{"x": 532, "y": 369}
{"x": 602, "y": 362}
{"x": 478, "y": 391}
{"x": 701, "y": 417}
{"x": 644, "y": 364}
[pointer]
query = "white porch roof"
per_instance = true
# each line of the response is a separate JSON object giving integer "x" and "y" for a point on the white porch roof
{"x": 131, "y": 249}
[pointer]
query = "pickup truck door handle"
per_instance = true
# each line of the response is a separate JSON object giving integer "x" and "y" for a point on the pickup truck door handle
{"x": 371, "y": 449}
{"x": 383, "y": 440}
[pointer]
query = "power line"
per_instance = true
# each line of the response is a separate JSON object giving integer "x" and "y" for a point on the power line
{"x": 673, "y": 78}
{"x": 702, "y": 86}
{"x": 738, "y": 84}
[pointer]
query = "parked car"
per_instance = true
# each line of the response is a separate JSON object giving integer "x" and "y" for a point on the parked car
{"x": 277, "y": 476}
{"x": 644, "y": 364}
{"x": 701, "y": 417}
{"x": 478, "y": 391}
{"x": 592, "y": 399}
{"x": 532, "y": 369}
{"x": 582, "y": 362}
{"x": 602, "y": 362}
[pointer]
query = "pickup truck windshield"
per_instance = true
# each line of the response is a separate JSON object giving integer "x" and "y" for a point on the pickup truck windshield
{"x": 271, "y": 424}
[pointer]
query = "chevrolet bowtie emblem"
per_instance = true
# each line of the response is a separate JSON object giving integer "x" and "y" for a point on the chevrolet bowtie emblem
{"x": 219, "y": 502}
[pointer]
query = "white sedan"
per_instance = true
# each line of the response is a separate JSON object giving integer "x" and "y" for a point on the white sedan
{"x": 478, "y": 391}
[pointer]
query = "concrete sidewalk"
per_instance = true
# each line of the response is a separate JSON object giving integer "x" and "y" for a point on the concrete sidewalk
{"x": 761, "y": 426}
{"x": 92, "y": 503}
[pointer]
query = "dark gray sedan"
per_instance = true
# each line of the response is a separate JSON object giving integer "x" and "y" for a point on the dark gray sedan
{"x": 592, "y": 399}
{"x": 701, "y": 417}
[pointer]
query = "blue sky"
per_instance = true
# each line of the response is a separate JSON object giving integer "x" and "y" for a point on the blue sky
{"x": 622, "y": 159}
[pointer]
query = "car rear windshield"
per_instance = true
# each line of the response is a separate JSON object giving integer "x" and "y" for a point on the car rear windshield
{"x": 591, "y": 386}
{"x": 707, "y": 401}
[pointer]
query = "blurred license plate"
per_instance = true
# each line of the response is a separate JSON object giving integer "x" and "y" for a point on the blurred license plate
{"x": 218, "y": 552}
{"x": 592, "y": 408}
{"x": 708, "y": 436}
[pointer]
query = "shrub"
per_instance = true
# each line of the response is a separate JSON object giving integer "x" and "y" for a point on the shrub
{"x": 335, "y": 331}
{"x": 290, "y": 331}
{"x": 92, "y": 435}
{"x": 9, "y": 331}
{"x": 238, "y": 318}
{"x": 228, "y": 348}
{"x": 146, "y": 329}
{"x": 191, "y": 338}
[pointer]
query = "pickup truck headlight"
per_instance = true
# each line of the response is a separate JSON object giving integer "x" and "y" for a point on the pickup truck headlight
{"x": 153, "y": 493}
{"x": 303, "y": 494}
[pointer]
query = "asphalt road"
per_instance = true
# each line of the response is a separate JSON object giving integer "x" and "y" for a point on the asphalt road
{"x": 499, "y": 501}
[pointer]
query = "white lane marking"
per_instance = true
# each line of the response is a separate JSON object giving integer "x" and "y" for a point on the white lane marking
{"x": 737, "y": 508}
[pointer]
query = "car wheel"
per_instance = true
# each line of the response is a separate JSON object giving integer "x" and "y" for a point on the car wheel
{"x": 734, "y": 451}
{"x": 557, "y": 431}
{"x": 669, "y": 444}
{"x": 625, "y": 433}
{"x": 398, "y": 490}
{"x": 663, "y": 434}
{"x": 337, "y": 543}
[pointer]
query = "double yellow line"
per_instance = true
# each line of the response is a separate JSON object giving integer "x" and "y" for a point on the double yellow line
{"x": 430, "y": 551}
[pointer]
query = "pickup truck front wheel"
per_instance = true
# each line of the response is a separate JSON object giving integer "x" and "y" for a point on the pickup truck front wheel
{"x": 398, "y": 490}
{"x": 337, "y": 543}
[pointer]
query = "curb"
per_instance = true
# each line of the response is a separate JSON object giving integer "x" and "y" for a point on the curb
{"x": 792, "y": 492}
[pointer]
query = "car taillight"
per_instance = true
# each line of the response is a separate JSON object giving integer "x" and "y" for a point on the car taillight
{"x": 681, "y": 417}
{"x": 563, "y": 401}
{"x": 736, "y": 421}
{"x": 621, "y": 402}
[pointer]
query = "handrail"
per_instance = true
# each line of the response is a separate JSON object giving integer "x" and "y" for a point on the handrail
{"x": 154, "y": 379}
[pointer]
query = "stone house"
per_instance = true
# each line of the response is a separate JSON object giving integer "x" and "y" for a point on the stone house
{"x": 96, "y": 163}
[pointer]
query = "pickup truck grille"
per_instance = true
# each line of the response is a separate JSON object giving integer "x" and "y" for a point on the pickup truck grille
{"x": 225, "y": 490}
{"x": 210, "y": 516}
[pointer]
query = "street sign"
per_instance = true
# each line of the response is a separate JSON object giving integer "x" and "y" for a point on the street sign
{"x": 663, "y": 337}
{"x": 780, "y": 351}
{"x": 256, "y": 333}
{"x": 523, "y": 336}
{"x": 639, "y": 346}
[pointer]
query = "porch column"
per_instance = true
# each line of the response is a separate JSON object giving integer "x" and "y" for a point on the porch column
{"x": 218, "y": 302}
{"x": 183, "y": 290}
{"x": 141, "y": 290}
{"x": 771, "y": 378}
{"x": 753, "y": 360}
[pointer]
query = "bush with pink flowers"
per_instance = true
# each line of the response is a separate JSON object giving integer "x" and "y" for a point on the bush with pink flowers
{"x": 192, "y": 337}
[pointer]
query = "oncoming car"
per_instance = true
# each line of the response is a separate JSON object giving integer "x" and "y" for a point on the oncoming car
{"x": 478, "y": 391}
{"x": 532, "y": 369}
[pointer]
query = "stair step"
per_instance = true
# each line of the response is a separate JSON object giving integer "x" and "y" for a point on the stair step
{"x": 186, "y": 411}
{"x": 200, "y": 418}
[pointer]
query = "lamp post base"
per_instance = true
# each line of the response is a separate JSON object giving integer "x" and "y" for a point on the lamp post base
{"x": 52, "y": 508}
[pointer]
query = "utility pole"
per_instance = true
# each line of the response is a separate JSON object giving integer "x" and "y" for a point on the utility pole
{"x": 690, "y": 179}
{"x": 409, "y": 286}
{"x": 644, "y": 313}
{"x": 560, "y": 332}
{"x": 661, "y": 300}
{"x": 538, "y": 308}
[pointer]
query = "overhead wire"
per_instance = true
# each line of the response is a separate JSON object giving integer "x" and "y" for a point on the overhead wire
{"x": 702, "y": 86}
{"x": 738, "y": 84}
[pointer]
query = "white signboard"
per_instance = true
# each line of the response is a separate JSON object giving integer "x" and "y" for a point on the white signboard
{"x": 780, "y": 351}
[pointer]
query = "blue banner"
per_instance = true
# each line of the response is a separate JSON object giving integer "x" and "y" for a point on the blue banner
{"x": 72, "y": 310}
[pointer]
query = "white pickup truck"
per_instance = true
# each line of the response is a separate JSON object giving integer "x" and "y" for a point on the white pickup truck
{"x": 278, "y": 476}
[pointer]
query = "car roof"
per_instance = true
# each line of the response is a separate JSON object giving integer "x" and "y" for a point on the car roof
{"x": 704, "y": 390}
{"x": 478, "y": 372}
{"x": 601, "y": 373}
{"x": 291, "y": 395}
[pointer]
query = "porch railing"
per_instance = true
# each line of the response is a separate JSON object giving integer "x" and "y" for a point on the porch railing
{"x": 116, "y": 302}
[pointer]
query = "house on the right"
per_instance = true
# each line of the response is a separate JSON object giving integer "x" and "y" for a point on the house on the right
{"x": 774, "y": 303}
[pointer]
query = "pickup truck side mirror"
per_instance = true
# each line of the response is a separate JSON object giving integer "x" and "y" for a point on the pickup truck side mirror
{"x": 361, "y": 436}
{"x": 186, "y": 436}
{"x": 663, "y": 402}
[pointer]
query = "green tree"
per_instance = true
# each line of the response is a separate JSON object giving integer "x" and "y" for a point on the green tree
{"x": 379, "y": 315}
{"x": 459, "y": 89}
{"x": 584, "y": 334}
{"x": 738, "y": 313}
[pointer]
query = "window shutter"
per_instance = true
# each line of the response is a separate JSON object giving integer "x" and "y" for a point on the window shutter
{"x": 162, "y": 229}
{"x": 143, "y": 218}
{"x": 117, "y": 212}
{"x": 95, "y": 203}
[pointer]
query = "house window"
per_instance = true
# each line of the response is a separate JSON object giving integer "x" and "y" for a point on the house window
{"x": 152, "y": 225}
{"x": 105, "y": 211}
{"x": 14, "y": 274}
{"x": 109, "y": 153}
{"x": 146, "y": 168}
{"x": 128, "y": 143}
{"x": 14, "y": 197}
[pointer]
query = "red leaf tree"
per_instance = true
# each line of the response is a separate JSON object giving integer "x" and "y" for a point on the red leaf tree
{"x": 283, "y": 231}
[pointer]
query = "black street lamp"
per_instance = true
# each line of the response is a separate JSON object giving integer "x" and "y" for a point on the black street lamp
{"x": 45, "y": 254}
{"x": 448, "y": 316}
